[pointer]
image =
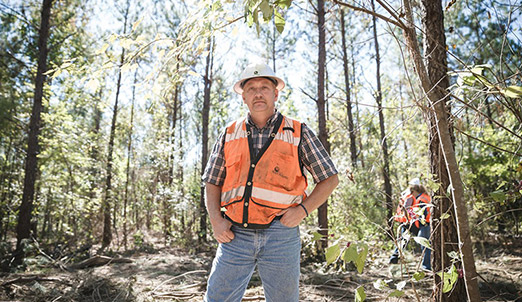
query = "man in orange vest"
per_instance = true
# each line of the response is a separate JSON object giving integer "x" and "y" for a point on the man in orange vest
{"x": 414, "y": 214}
{"x": 255, "y": 193}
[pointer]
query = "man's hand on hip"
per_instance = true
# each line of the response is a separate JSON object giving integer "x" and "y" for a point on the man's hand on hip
{"x": 221, "y": 230}
{"x": 292, "y": 216}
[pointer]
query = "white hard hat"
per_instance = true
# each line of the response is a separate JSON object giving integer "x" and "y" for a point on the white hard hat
{"x": 415, "y": 182}
{"x": 257, "y": 70}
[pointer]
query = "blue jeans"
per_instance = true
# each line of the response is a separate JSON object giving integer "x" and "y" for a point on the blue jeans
{"x": 276, "y": 252}
{"x": 424, "y": 232}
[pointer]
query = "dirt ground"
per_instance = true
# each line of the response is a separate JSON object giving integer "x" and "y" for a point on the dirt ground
{"x": 179, "y": 275}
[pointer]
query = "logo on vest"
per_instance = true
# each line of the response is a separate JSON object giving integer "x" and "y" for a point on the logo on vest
{"x": 278, "y": 172}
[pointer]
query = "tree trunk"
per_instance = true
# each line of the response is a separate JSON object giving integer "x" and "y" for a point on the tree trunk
{"x": 180, "y": 166}
{"x": 202, "y": 235}
{"x": 404, "y": 175}
{"x": 273, "y": 44}
{"x": 174, "y": 118}
{"x": 94, "y": 170}
{"x": 47, "y": 223}
{"x": 349, "y": 114}
{"x": 435, "y": 72}
{"x": 129, "y": 156}
{"x": 384, "y": 145}
{"x": 108, "y": 200}
{"x": 322, "y": 212}
{"x": 23, "y": 228}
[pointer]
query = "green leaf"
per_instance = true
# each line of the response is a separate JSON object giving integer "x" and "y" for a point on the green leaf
{"x": 454, "y": 255}
{"x": 360, "y": 295}
{"x": 396, "y": 293}
{"x": 401, "y": 285}
{"x": 444, "y": 216}
{"x": 419, "y": 276}
{"x": 57, "y": 73}
{"x": 332, "y": 253}
{"x": 283, "y": 3}
{"x": 255, "y": 15}
{"x": 466, "y": 79}
{"x": 498, "y": 195}
{"x": 422, "y": 241}
{"x": 484, "y": 80}
{"x": 279, "y": 22}
{"x": 216, "y": 6}
{"x": 249, "y": 19}
{"x": 380, "y": 284}
{"x": 266, "y": 9}
{"x": 316, "y": 236}
{"x": 449, "y": 278}
{"x": 350, "y": 254}
{"x": 361, "y": 258}
{"x": 433, "y": 185}
{"x": 479, "y": 68}
{"x": 512, "y": 92}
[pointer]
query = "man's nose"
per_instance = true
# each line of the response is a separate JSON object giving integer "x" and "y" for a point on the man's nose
{"x": 258, "y": 91}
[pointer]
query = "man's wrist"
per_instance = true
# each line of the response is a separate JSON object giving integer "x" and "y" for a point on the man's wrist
{"x": 304, "y": 208}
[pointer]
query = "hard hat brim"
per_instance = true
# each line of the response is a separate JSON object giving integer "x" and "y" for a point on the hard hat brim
{"x": 238, "y": 89}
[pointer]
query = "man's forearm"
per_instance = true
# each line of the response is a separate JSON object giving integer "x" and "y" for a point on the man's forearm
{"x": 220, "y": 226}
{"x": 320, "y": 193}
{"x": 213, "y": 201}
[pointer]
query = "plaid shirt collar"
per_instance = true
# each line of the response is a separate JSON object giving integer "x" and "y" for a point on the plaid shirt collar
{"x": 269, "y": 123}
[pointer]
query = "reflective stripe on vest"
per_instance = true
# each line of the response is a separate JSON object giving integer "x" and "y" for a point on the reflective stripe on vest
{"x": 258, "y": 187}
{"x": 263, "y": 194}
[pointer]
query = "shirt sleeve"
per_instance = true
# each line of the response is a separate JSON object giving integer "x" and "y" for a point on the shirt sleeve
{"x": 408, "y": 203}
{"x": 215, "y": 171}
{"x": 314, "y": 156}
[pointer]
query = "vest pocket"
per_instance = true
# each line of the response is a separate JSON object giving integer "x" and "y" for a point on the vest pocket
{"x": 281, "y": 171}
{"x": 233, "y": 168}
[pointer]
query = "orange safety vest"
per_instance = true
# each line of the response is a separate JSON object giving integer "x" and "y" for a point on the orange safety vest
{"x": 401, "y": 214}
{"x": 257, "y": 187}
{"x": 404, "y": 214}
{"x": 422, "y": 201}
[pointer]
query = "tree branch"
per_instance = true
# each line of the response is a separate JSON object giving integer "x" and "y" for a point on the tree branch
{"x": 486, "y": 143}
{"x": 485, "y": 115}
{"x": 308, "y": 95}
{"x": 364, "y": 10}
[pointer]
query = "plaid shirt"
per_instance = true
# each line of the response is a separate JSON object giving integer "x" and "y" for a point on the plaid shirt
{"x": 311, "y": 152}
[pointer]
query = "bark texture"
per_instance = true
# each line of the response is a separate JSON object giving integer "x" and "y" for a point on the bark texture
{"x": 204, "y": 133}
{"x": 452, "y": 234}
{"x": 321, "y": 104}
{"x": 434, "y": 83}
{"x": 384, "y": 144}
{"x": 349, "y": 113}
{"x": 23, "y": 227}
{"x": 108, "y": 201}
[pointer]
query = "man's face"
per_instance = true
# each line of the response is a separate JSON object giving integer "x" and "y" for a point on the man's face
{"x": 260, "y": 94}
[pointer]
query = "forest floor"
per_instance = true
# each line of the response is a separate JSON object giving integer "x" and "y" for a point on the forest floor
{"x": 167, "y": 274}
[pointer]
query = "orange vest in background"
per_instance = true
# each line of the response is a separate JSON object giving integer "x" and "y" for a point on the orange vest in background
{"x": 401, "y": 214}
{"x": 421, "y": 201}
{"x": 258, "y": 187}
{"x": 408, "y": 213}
